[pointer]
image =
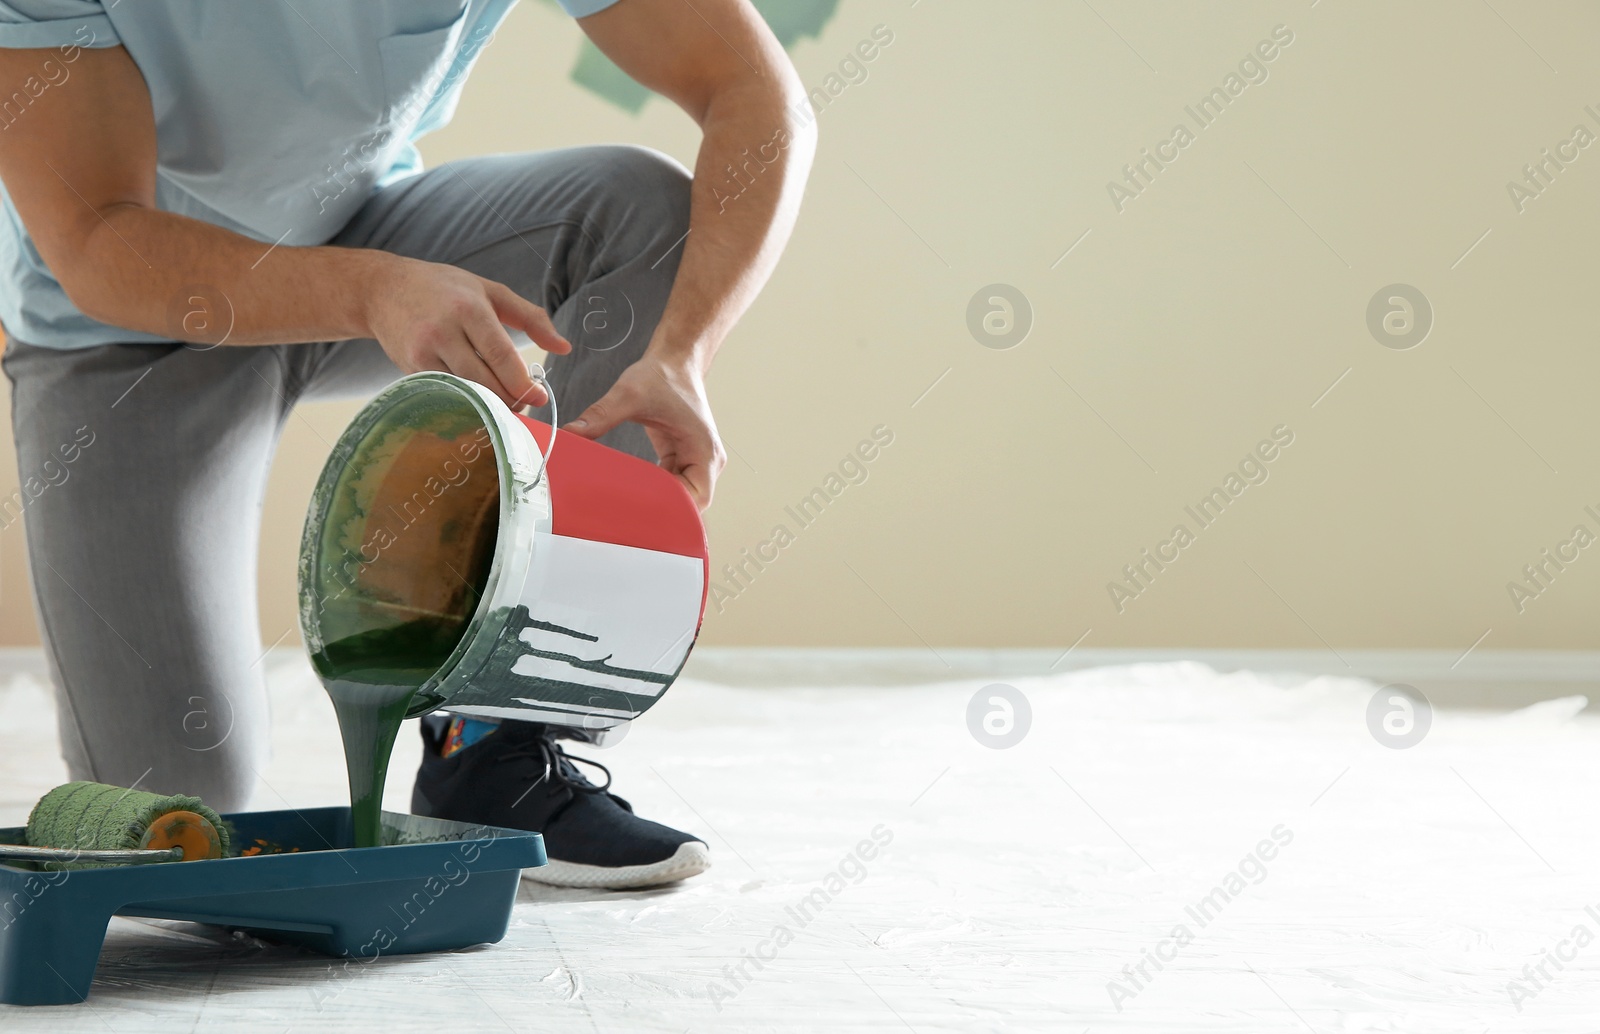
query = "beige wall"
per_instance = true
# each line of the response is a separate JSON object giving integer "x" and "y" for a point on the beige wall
{"x": 1218, "y": 305}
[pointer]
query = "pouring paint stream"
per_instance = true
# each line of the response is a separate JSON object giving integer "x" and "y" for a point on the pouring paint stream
{"x": 371, "y": 678}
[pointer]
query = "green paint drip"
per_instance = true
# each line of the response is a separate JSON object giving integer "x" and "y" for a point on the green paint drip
{"x": 371, "y": 678}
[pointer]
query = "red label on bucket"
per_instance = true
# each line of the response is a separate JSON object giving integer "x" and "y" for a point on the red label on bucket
{"x": 601, "y": 494}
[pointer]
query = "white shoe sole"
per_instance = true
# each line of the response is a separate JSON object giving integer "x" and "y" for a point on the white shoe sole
{"x": 690, "y": 859}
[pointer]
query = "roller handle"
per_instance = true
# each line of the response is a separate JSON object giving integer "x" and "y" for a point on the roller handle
{"x": 122, "y": 856}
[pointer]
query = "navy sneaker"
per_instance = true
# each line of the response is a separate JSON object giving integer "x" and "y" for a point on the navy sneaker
{"x": 518, "y": 777}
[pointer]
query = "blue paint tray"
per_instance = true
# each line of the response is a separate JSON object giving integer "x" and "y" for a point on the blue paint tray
{"x": 433, "y": 886}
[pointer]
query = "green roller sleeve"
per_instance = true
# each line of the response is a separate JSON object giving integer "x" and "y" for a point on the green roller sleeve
{"x": 93, "y": 816}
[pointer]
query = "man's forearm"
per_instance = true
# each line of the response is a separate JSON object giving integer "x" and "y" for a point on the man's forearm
{"x": 748, "y": 181}
{"x": 164, "y": 274}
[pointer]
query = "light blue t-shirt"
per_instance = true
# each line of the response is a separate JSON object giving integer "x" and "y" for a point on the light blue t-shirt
{"x": 275, "y": 119}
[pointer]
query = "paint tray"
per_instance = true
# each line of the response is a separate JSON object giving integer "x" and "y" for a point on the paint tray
{"x": 433, "y": 886}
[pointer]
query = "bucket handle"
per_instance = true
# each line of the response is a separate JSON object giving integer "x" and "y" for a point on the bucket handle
{"x": 536, "y": 371}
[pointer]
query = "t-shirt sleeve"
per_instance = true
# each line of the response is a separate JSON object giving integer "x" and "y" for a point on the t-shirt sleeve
{"x": 55, "y": 23}
{"x": 584, "y": 8}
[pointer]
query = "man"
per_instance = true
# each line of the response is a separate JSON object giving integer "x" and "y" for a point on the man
{"x": 215, "y": 211}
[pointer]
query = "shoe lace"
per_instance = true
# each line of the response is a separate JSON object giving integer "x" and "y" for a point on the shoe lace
{"x": 560, "y": 768}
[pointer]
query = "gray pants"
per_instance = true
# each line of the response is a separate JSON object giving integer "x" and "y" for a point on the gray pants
{"x": 149, "y": 462}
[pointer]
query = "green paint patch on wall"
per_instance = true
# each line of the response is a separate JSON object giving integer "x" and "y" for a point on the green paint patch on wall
{"x": 790, "y": 21}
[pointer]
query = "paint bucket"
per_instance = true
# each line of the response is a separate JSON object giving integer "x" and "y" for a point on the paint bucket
{"x": 528, "y": 573}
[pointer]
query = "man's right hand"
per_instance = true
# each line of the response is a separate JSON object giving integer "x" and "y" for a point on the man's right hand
{"x": 429, "y": 316}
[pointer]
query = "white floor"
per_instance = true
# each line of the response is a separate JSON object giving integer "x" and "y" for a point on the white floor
{"x": 1417, "y": 884}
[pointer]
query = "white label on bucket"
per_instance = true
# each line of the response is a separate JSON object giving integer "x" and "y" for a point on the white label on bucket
{"x": 608, "y": 616}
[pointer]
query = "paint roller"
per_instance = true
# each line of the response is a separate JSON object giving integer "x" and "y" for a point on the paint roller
{"x": 86, "y": 825}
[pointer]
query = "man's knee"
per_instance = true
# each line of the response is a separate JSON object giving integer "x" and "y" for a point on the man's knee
{"x": 641, "y": 216}
{"x": 651, "y": 188}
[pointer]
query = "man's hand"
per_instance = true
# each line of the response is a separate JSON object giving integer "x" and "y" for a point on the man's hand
{"x": 430, "y": 316}
{"x": 669, "y": 399}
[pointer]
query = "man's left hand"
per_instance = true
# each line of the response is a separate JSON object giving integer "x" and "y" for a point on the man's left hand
{"x": 668, "y": 398}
